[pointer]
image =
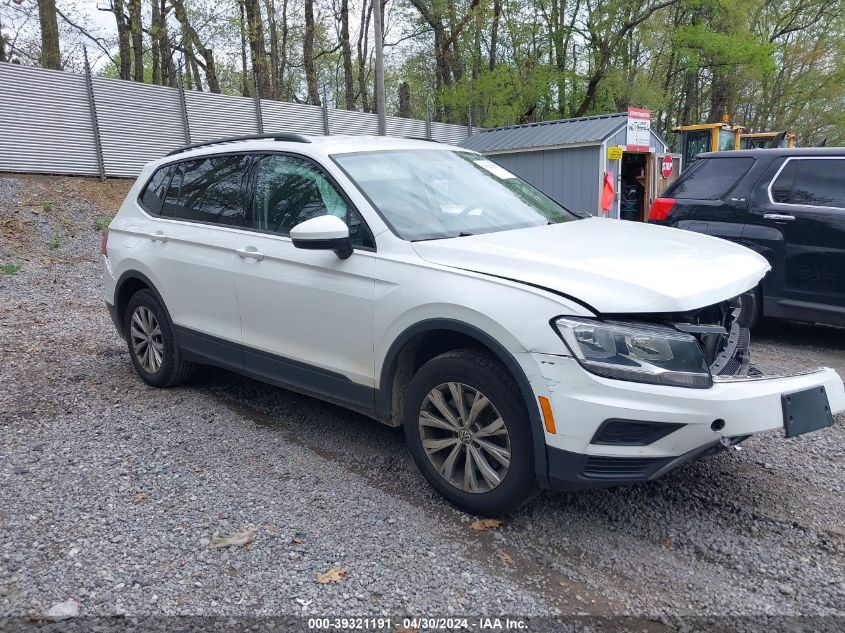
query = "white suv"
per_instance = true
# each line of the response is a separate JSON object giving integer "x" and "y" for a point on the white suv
{"x": 519, "y": 344}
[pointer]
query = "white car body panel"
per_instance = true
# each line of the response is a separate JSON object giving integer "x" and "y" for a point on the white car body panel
{"x": 308, "y": 306}
{"x": 344, "y": 316}
{"x": 582, "y": 401}
{"x": 616, "y": 267}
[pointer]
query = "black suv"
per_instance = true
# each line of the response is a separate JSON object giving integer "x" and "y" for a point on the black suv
{"x": 786, "y": 204}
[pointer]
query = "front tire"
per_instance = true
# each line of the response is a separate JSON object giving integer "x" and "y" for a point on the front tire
{"x": 152, "y": 342}
{"x": 752, "y": 304}
{"x": 468, "y": 432}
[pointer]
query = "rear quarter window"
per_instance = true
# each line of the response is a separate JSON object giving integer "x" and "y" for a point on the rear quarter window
{"x": 710, "y": 179}
{"x": 210, "y": 189}
{"x": 153, "y": 194}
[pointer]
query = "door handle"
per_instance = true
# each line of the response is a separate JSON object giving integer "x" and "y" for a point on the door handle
{"x": 158, "y": 236}
{"x": 251, "y": 252}
{"x": 779, "y": 217}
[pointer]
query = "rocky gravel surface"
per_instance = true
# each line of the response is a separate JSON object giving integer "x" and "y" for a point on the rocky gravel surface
{"x": 112, "y": 493}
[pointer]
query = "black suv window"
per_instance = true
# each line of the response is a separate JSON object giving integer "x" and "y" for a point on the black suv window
{"x": 153, "y": 194}
{"x": 291, "y": 190}
{"x": 209, "y": 189}
{"x": 820, "y": 183}
{"x": 710, "y": 179}
{"x": 782, "y": 186}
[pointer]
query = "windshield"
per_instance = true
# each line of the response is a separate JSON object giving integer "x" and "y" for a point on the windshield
{"x": 432, "y": 194}
{"x": 727, "y": 140}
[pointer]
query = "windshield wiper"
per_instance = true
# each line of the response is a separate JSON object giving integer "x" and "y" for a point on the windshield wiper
{"x": 443, "y": 237}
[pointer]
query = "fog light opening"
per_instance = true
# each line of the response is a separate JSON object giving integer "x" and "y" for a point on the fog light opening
{"x": 718, "y": 425}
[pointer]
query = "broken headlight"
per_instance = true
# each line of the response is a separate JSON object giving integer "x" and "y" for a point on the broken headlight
{"x": 638, "y": 352}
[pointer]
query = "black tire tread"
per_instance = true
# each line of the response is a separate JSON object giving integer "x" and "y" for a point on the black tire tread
{"x": 180, "y": 370}
{"x": 527, "y": 488}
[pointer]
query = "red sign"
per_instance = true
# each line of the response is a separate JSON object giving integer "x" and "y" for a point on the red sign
{"x": 639, "y": 113}
{"x": 638, "y": 137}
{"x": 666, "y": 166}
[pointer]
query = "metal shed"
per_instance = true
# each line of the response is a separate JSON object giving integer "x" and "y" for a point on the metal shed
{"x": 568, "y": 159}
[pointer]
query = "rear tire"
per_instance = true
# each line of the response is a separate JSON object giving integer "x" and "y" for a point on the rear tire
{"x": 469, "y": 433}
{"x": 152, "y": 343}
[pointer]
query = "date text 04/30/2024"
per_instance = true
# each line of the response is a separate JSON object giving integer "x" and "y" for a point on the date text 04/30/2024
{"x": 417, "y": 623}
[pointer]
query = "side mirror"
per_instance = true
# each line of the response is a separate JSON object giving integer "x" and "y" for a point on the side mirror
{"x": 325, "y": 233}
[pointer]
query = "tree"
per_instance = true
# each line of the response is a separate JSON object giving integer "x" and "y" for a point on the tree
{"x": 258, "y": 55}
{"x": 192, "y": 41}
{"x": 769, "y": 64}
{"x": 308, "y": 55}
{"x": 137, "y": 36}
{"x": 405, "y": 100}
{"x": 3, "y": 57}
{"x": 609, "y": 23}
{"x": 49, "y": 21}
{"x": 447, "y": 28}
{"x": 123, "y": 37}
{"x": 363, "y": 53}
{"x": 346, "y": 48}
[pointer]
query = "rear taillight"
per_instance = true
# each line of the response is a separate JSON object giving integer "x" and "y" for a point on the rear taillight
{"x": 104, "y": 244}
{"x": 660, "y": 209}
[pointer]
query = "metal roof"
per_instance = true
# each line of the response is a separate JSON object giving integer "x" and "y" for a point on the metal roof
{"x": 583, "y": 131}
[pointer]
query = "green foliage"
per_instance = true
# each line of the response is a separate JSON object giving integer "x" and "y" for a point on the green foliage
{"x": 55, "y": 241}
{"x": 47, "y": 207}
{"x": 770, "y": 64}
{"x": 10, "y": 269}
{"x": 503, "y": 96}
{"x": 101, "y": 223}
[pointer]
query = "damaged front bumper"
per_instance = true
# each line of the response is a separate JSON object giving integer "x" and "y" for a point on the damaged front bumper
{"x": 611, "y": 432}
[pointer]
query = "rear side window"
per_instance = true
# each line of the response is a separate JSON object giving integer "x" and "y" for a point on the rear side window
{"x": 711, "y": 179}
{"x": 209, "y": 189}
{"x": 154, "y": 192}
{"x": 782, "y": 186}
{"x": 820, "y": 183}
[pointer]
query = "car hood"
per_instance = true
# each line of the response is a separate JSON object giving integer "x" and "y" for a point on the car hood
{"x": 613, "y": 266}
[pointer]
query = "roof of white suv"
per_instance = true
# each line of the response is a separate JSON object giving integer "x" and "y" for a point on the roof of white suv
{"x": 326, "y": 145}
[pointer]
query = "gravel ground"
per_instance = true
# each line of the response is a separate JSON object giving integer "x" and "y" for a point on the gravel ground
{"x": 111, "y": 492}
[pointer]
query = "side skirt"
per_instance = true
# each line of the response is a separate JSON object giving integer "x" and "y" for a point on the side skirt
{"x": 277, "y": 370}
{"x": 810, "y": 312}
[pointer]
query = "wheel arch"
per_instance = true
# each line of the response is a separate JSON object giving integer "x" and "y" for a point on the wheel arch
{"x": 127, "y": 285}
{"x": 408, "y": 351}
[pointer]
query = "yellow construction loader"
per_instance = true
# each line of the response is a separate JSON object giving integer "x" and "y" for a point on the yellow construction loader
{"x": 706, "y": 137}
{"x": 766, "y": 140}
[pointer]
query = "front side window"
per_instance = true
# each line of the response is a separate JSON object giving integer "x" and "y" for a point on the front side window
{"x": 820, "y": 183}
{"x": 290, "y": 190}
{"x": 432, "y": 194}
{"x": 711, "y": 179}
{"x": 209, "y": 189}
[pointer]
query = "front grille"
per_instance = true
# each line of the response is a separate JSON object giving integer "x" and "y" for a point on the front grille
{"x": 632, "y": 432}
{"x": 598, "y": 467}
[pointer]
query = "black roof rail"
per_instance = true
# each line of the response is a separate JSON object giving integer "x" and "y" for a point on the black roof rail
{"x": 421, "y": 138}
{"x": 276, "y": 136}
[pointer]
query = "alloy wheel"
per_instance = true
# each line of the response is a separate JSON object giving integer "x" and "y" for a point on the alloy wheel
{"x": 145, "y": 334}
{"x": 464, "y": 437}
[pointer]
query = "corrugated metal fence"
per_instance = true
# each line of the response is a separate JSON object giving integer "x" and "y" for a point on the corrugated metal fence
{"x": 63, "y": 123}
